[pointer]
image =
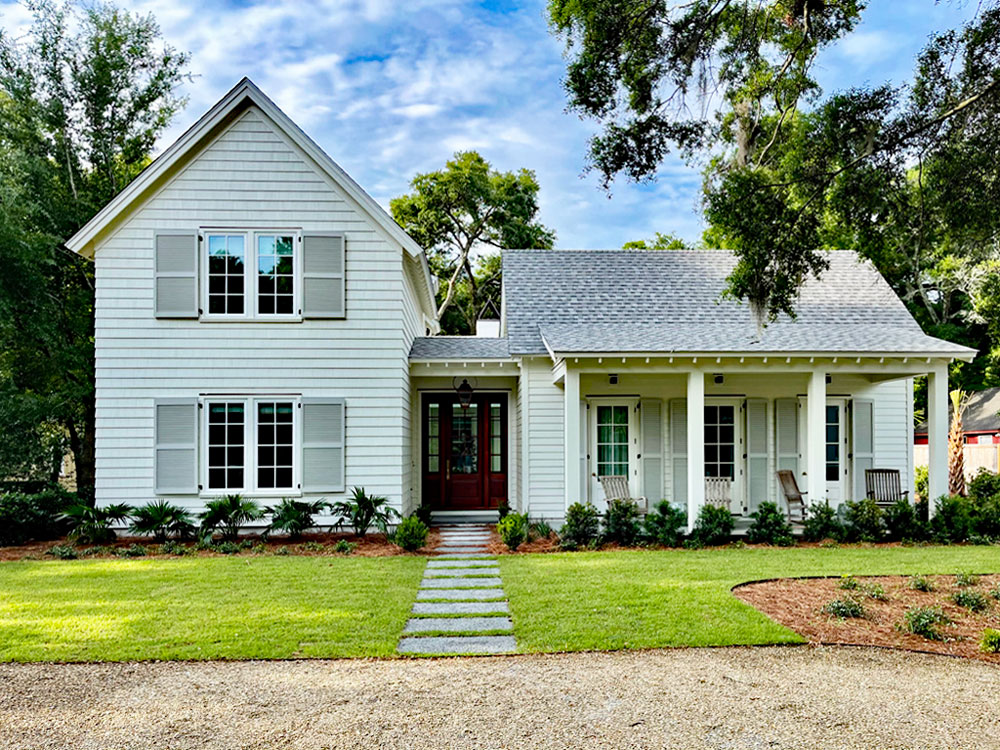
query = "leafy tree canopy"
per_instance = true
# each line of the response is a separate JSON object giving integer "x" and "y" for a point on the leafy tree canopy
{"x": 461, "y": 215}
{"x": 82, "y": 99}
{"x": 659, "y": 242}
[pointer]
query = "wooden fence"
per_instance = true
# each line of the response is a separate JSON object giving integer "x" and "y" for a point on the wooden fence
{"x": 976, "y": 457}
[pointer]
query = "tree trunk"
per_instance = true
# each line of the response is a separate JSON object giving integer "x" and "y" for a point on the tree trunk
{"x": 81, "y": 443}
{"x": 956, "y": 446}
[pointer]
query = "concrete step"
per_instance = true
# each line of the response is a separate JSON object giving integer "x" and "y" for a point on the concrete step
{"x": 466, "y": 556}
{"x": 461, "y": 583}
{"x": 459, "y": 608}
{"x": 466, "y": 595}
{"x": 460, "y": 572}
{"x": 439, "y": 563}
{"x": 468, "y": 644}
{"x": 457, "y": 624}
{"x": 463, "y": 550}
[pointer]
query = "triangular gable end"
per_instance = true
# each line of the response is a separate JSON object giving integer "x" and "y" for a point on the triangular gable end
{"x": 225, "y": 112}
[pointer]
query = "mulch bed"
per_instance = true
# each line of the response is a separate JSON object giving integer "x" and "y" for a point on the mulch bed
{"x": 797, "y": 603}
{"x": 372, "y": 545}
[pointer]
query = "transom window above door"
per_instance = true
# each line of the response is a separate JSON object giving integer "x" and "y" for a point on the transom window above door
{"x": 252, "y": 274}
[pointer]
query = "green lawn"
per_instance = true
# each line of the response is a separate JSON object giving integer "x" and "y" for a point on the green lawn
{"x": 649, "y": 599}
{"x": 204, "y": 608}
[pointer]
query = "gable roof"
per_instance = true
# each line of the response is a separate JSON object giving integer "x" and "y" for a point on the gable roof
{"x": 609, "y": 301}
{"x": 243, "y": 94}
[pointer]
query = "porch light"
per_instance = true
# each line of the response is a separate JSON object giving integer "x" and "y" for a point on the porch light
{"x": 718, "y": 378}
{"x": 464, "y": 394}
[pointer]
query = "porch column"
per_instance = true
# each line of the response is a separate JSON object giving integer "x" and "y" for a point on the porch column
{"x": 937, "y": 434}
{"x": 816, "y": 437}
{"x": 695, "y": 445}
{"x": 571, "y": 438}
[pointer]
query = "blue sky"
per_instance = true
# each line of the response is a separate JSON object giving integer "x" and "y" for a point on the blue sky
{"x": 391, "y": 88}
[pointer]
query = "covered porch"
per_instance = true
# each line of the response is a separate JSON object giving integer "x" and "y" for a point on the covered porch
{"x": 689, "y": 428}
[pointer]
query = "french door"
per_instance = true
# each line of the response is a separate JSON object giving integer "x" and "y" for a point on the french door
{"x": 464, "y": 462}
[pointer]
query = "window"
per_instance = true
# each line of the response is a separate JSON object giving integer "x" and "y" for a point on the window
{"x": 612, "y": 441}
{"x": 720, "y": 441}
{"x": 496, "y": 438}
{"x": 433, "y": 438}
{"x": 268, "y": 427}
{"x": 465, "y": 439}
{"x": 832, "y": 443}
{"x": 272, "y": 292}
{"x": 226, "y": 267}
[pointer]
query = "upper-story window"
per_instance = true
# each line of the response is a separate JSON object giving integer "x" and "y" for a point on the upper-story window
{"x": 252, "y": 274}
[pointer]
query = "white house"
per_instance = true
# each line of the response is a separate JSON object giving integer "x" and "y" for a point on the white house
{"x": 264, "y": 327}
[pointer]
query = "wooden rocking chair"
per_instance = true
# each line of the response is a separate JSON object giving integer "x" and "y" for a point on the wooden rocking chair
{"x": 794, "y": 498}
{"x": 616, "y": 488}
{"x": 884, "y": 486}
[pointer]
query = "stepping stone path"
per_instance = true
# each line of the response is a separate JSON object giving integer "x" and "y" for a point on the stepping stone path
{"x": 461, "y": 607}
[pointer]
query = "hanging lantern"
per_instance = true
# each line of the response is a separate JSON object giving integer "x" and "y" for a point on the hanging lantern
{"x": 464, "y": 394}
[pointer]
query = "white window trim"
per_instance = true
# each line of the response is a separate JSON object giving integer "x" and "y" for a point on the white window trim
{"x": 251, "y": 312}
{"x": 250, "y": 446}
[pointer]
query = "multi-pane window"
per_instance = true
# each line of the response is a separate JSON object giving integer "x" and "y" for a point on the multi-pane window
{"x": 720, "y": 441}
{"x": 226, "y": 269}
{"x": 251, "y": 274}
{"x": 275, "y": 274}
{"x": 465, "y": 439}
{"x": 612, "y": 441}
{"x": 832, "y": 443}
{"x": 226, "y": 442}
{"x": 433, "y": 438}
{"x": 496, "y": 435}
{"x": 275, "y": 444}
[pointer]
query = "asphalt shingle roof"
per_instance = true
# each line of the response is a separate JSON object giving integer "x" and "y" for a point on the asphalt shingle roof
{"x": 665, "y": 301}
{"x": 459, "y": 347}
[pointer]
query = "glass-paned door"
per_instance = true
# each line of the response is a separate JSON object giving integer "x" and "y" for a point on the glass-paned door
{"x": 720, "y": 441}
{"x": 612, "y": 441}
{"x": 836, "y": 452}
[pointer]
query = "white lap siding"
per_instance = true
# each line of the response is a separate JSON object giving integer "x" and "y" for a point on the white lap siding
{"x": 544, "y": 455}
{"x": 251, "y": 176}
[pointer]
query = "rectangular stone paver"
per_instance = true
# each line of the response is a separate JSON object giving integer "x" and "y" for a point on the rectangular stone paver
{"x": 459, "y": 608}
{"x": 464, "y": 549}
{"x": 465, "y": 556}
{"x": 460, "y": 594}
{"x": 461, "y": 583}
{"x": 460, "y": 572}
{"x": 456, "y": 644}
{"x": 457, "y": 624}
{"x": 459, "y": 564}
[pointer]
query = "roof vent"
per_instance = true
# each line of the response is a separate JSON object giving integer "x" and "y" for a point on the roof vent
{"x": 488, "y": 329}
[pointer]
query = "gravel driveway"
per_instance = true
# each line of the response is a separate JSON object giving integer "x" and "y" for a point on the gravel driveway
{"x": 718, "y": 698}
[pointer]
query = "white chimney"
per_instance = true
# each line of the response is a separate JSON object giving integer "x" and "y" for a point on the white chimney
{"x": 488, "y": 329}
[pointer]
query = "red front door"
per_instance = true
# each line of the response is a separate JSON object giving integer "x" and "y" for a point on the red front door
{"x": 465, "y": 452}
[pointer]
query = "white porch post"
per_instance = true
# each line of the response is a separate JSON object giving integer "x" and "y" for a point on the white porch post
{"x": 937, "y": 433}
{"x": 571, "y": 439}
{"x": 816, "y": 437}
{"x": 695, "y": 444}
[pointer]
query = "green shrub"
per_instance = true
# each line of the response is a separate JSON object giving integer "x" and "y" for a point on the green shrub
{"x": 849, "y": 583}
{"x": 985, "y": 516}
{"x": 311, "y": 547}
{"x": 259, "y": 549}
{"x": 770, "y": 526}
{"x": 160, "y": 520}
{"x": 133, "y": 550}
{"x": 621, "y": 522}
{"x": 362, "y": 511}
{"x": 920, "y": 483}
{"x": 62, "y": 552}
{"x": 342, "y": 547}
{"x": 966, "y": 579}
{"x": 92, "y": 525}
{"x": 293, "y": 517}
{"x": 423, "y": 512}
{"x": 581, "y": 527}
{"x": 921, "y": 583}
{"x": 170, "y": 547}
{"x": 713, "y": 527}
{"x": 40, "y": 516}
{"x": 411, "y": 534}
{"x": 665, "y": 524}
{"x": 925, "y": 622}
{"x": 503, "y": 508}
{"x": 990, "y": 642}
{"x": 283, "y": 549}
{"x": 539, "y": 529}
{"x": 980, "y": 540}
{"x": 226, "y": 548}
{"x": 902, "y": 523}
{"x": 984, "y": 486}
{"x": 972, "y": 600}
{"x": 875, "y": 591}
{"x": 864, "y": 521}
{"x": 952, "y": 522}
{"x": 227, "y": 515}
{"x": 821, "y": 523}
{"x": 844, "y": 608}
{"x": 97, "y": 551}
{"x": 513, "y": 529}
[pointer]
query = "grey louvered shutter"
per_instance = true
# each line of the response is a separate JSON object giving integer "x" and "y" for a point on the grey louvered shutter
{"x": 862, "y": 442}
{"x": 786, "y": 428}
{"x": 323, "y": 430}
{"x": 584, "y": 456}
{"x": 651, "y": 419}
{"x": 175, "y": 447}
{"x": 175, "y": 275}
{"x": 323, "y": 270}
{"x": 679, "y": 450}
{"x": 757, "y": 475}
